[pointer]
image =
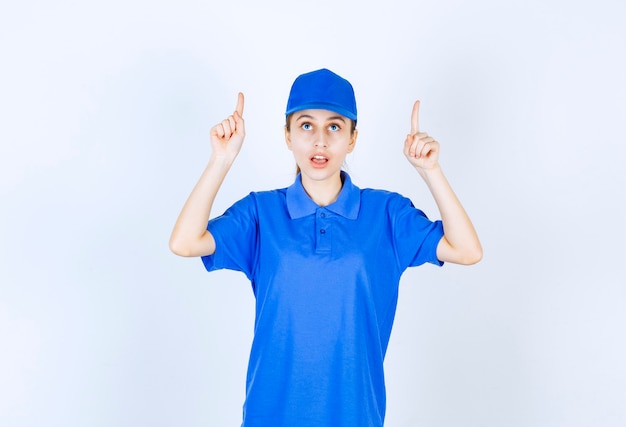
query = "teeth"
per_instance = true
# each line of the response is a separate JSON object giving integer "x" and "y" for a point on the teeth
{"x": 319, "y": 157}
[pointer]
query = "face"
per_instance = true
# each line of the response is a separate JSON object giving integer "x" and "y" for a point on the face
{"x": 320, "y": 141}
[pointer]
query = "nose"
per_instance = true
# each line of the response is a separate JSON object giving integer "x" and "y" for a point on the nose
{"x": 320, "y": 140}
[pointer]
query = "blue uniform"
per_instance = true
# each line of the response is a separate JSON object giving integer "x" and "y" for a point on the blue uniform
{"x": 326, "y": 286}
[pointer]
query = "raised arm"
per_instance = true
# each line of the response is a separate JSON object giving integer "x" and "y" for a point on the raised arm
{"x": 460, "y": 243}
{"x": 190, "y": 236}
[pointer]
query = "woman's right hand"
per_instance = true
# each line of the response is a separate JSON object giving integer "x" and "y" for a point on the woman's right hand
{"x": 227, "y": 136}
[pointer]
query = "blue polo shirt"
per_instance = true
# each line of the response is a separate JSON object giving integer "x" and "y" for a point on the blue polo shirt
{"x": 326, "y": 286}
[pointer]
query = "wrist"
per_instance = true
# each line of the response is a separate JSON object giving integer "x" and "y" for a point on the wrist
{"x": 429, "y": 173}
{"x": 221, "y": 160}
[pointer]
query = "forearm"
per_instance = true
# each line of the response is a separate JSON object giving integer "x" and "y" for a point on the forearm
{"x": 190, "y": 236}
{"x": 460, "y": 242}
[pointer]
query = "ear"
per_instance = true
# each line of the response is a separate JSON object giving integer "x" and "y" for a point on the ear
{"x": 353, "y": 141}
{"x": 288, "y": 138}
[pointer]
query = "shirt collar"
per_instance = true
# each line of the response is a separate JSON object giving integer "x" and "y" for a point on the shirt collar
{"x": 299, "y": 204}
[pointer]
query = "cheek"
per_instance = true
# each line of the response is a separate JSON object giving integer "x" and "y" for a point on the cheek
{"x": 301, "y": 138}
{"x": 340, "y": 139}
{"x": 299, "y": 145}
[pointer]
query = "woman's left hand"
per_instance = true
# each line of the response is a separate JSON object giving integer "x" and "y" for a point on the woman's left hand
{"x": 420, "y": 149}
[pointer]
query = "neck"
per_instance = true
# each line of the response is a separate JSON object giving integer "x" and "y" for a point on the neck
{"x": 325, "y": 192}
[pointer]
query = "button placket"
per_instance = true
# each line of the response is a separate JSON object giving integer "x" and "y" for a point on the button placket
{"x": 322, "y": 231}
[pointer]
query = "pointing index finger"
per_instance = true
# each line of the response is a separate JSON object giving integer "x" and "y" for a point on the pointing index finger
{"x": 415, "y": 118}
{"x": 239, "y": 108}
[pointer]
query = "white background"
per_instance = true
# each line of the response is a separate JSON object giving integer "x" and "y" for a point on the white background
{"x": 105, "y": 109}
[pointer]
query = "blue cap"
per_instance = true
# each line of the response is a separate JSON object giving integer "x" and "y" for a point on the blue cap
{"x": 322, "y": 90}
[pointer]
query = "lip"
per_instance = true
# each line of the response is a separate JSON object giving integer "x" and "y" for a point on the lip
{"x": 319, "y": 160}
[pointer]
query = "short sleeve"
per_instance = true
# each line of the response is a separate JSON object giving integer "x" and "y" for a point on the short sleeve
{"x": 236, "y": 236}
{"x": 415, "y": 236}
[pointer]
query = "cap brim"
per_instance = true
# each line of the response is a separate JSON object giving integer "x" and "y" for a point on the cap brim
{"x": 322, "y": 106}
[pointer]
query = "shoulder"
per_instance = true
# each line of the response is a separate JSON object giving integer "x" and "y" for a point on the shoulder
{"x": 265, "y": 197}
{"x": 373, "y": 195}
{"x": 277, "y": 192}
{"x": 388, "y": 203}
{"x": 257, "y": 202}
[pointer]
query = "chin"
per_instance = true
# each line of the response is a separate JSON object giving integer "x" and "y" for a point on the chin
{"x": 320, "y": 174}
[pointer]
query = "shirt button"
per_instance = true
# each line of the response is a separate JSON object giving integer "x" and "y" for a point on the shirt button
{"x": 322, "y": 231}
{"x": 323, "y": 215}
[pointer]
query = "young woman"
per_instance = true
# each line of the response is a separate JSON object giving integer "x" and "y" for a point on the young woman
{"x": 324, "y": 258}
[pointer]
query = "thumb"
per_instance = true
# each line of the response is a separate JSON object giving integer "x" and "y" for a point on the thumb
{"x": 239, "y": 123}
{"x": 407, "y": 143}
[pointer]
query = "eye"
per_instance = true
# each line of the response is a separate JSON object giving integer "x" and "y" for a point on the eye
{"x": 333, "y": 128}
{"x": 306, "y": 126}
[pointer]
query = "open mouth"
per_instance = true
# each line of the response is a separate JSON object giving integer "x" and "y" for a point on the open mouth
{"x": 320, "y": 160}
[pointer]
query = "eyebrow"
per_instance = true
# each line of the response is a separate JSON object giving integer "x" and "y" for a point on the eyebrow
{"x": 308, "y": 116}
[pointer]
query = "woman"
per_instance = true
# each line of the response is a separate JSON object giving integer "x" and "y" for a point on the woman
{"x": 324, "y": 258}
